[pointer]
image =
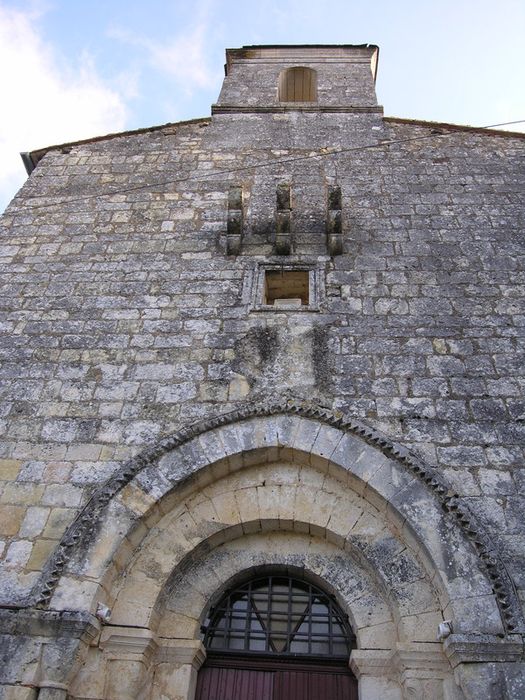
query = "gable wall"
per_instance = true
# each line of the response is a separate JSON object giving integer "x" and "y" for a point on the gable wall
{"x": 124, "y": 318}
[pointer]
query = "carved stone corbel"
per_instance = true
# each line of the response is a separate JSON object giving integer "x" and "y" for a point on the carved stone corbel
{"x": 283, "y": 223}
{"x": 235, "y": 221}
{"x": 334, "y": 221}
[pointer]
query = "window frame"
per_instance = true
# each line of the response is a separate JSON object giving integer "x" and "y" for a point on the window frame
{"x": 219, "y": 632}
{"x": 282, "y": 85}
{"x": 315, "y": 288}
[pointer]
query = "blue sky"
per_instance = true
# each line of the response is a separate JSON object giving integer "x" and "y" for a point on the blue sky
{"x": 72, "y": 69}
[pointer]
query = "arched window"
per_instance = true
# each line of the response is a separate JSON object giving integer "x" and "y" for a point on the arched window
{"x": 278, "y": 615}
{"x": 298, "y": 85}
{"x": 276, "y": 638}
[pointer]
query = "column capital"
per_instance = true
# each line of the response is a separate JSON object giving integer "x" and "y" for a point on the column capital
{"x": 120, "y": 642}
{"x": 182, "y": 651}
{"x": 371, "y": 662}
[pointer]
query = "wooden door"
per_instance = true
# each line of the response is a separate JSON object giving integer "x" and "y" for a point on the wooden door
{"x": 247, "y": 680}
{"x": 234, "y": 684}
{"x": 314, "y": 685}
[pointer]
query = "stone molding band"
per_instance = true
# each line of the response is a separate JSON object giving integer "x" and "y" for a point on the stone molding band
{"x": 294, "y": 107}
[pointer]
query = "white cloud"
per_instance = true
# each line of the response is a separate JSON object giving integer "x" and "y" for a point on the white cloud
{"x": 44, "y": 103}
{"x": 184, "y": 58}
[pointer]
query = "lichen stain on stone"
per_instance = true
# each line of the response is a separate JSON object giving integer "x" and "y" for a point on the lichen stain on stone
{"x": 321, "y": 358}
{"x": 277, "y": 357}
{"x": 258, "y": 347}
{"x": 263, "y": 228}
{"x": 402, "y": 569}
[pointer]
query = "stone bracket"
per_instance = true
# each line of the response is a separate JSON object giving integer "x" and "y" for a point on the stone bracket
{"x": 283, "y": 221}
{"x": 482, "y": 648}
{"x": 334, "y": 221}
{"x": 234, "y": 231}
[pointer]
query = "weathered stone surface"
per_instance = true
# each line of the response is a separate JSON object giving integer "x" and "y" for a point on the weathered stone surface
{"x": 128, "y": 315}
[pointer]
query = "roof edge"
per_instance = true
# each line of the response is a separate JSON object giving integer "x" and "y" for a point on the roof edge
{"x": 32, "y": 158}
{"x": 307, "y": 46}
{"x": 246, "y": 49}
{"x": 456, "y": 127}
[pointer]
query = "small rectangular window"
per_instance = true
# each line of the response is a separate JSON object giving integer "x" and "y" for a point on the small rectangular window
{"x": 288, "y": 287}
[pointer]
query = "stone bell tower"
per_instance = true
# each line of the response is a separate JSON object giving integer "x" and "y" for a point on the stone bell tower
{"x": 304, "y": 78}
{"x": 281, "y": 100}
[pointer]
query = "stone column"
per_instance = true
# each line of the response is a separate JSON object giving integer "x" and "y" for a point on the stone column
{"x": 128, "y": 652}
{"x": 16, "y": 692}
{"x": 424, "y": 672}
{"x": 417, "y": 671}
{"x": 50, "y": 693}
{"x": 178, "y": 663}
{"x": 42, "y": 651}
{"x": 376, "y": 674}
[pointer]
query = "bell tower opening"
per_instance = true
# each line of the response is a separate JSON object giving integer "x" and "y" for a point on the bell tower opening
{"x": 298, "y": 84}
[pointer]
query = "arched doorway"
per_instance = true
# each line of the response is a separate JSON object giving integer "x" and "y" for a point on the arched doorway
{"x": 279, "y": 491}
{"x": 277, "y": 638}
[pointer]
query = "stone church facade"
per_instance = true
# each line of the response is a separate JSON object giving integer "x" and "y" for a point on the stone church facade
{"x": 282, "y": 344}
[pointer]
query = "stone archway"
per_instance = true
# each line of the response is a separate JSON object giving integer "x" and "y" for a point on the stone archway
{"x": 155, "y": 515}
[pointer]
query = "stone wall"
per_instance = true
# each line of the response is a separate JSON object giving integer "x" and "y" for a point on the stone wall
{"x": 124, "y": 319}
{"x": 345, "y": 76}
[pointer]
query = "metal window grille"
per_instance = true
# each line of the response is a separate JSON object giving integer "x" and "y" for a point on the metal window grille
{"x": 280, "y": 616}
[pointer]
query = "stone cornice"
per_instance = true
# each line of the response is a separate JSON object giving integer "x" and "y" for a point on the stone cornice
{"x": 48, "y": 623}
{"x": 482, "y": 648}
{"x": 295, "y": 107}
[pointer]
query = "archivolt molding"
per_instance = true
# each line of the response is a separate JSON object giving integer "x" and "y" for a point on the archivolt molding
{"x": 91, "y": 515}
{"x": 374, "y": 609}
{"x": 336, "y": 572}
{"x": 276, "y": 504}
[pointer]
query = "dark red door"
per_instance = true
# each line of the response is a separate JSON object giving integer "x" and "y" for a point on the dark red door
{"x": 314, "y": 685}
{"x": 234, "y": 684}
{"x": 247, "y": 680}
